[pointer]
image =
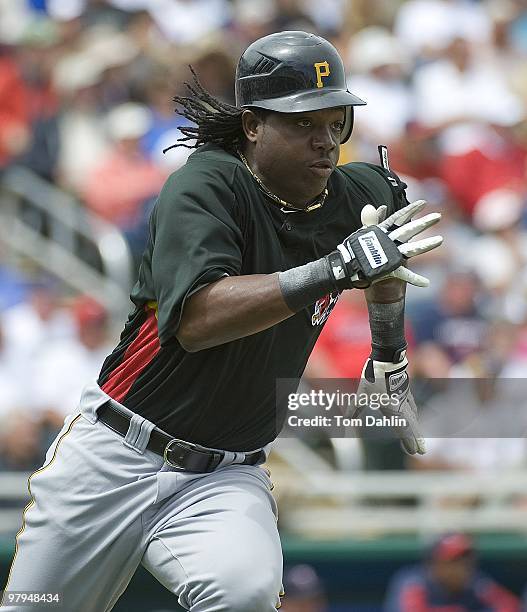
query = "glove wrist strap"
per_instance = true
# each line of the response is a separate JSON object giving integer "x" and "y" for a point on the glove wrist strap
{"x": 339, "y": 271}
{"x": 388, "y": 354}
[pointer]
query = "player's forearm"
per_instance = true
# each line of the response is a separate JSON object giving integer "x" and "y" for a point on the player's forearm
{"x": 239, "y": 306}
{"x": 231, "y": 308}
{"x": 236, "y": 307}
{"x": 386, "y": 312}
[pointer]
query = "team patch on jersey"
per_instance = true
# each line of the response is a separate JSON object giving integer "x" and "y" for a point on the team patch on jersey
{"x": 323, "y": 308}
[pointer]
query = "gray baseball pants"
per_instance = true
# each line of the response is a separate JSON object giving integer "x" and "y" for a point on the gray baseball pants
{"x": 102, "y": 504}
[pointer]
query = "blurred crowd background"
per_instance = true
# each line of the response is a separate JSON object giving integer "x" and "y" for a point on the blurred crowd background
{"x": 86, "y": 91}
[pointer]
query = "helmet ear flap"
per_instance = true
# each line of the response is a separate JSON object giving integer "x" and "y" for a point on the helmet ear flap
{"x": 349, "y": 116}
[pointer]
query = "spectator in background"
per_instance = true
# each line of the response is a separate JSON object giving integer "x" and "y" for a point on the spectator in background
{"x": 153, "y": 57}
{"x": 215, "y": 62}
{"x": 117, "y": 187}
{"x": 328, "y": 16}
{"x": 452, "y": 98}
{"x": 454, "y": 321}
{"x": 518, "y": 27}
{"x": 291, "y": 15}
{"x": 13, "y": 285}
{"x": 165, "y": 123}
{"x": 62, "y": 368}
{"x": 38, "y": 50}
{"x": 20, "y": 443}
{"x": 379, "y": 73}
{"x": 499, "y": 255}
{"x": 303, "y": 590}
{"x": 507, "y": 50}
{"x": 185, "y": 22}
{"x": 14, "y": 109}
{"x": 448, "y": 579}
{"x": 136, "y": 234}
{"x": 497, "y": 162}
{"x": 35, "y": 323}
{"x": 82, "y": 137}
{"x": 252, "y": 18}
{"x": 11, "y": 397}
{"x": 415, "y": 154}
{"x": 476, "y": 423}
{"x": 113, "y": 52}
{"x": 94, "y": 13}
{"x": 91, "y": 78}
{"x": 426, "y": 26}
{"x": 14, "y": 18}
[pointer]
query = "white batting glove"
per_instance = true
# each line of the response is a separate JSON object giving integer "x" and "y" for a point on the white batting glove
{"x": 378, "y": 250}
{"x": 401, "y": 229}
{"x": 391, "y": 379}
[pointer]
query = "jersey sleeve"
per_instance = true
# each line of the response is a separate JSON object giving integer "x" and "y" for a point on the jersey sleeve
{"x": 196, "y": 240}
{"x": 396, "y": 185}
{"x": 382, "y": 186}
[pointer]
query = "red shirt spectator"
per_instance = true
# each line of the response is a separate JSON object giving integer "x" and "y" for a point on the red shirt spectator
{"x": 117, "y": 188}
{"x": 119, "y": 185}
{"x": 506, "y": 166}
{"x": 14, "y": 111}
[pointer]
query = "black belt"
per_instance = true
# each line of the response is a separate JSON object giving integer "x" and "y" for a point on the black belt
{"x": 177, "y": 453}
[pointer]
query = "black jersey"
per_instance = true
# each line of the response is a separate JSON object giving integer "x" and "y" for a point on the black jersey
{"x": 212, "y": 220}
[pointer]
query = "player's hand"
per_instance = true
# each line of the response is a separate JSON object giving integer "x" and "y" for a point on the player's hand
{"x": 380, "y": 248}
{"x": 391, "y": 379}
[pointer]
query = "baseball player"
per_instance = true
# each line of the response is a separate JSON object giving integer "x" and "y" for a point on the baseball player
{"x": 250, "y": 244}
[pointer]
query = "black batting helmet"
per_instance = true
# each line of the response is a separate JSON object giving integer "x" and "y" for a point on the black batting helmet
{"x": 292, "y": 72}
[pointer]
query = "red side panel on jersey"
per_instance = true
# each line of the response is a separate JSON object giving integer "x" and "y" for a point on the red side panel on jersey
{"x": 136, "y": 358}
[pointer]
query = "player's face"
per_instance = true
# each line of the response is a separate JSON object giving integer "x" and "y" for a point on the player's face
{"x": 295, "y": 153}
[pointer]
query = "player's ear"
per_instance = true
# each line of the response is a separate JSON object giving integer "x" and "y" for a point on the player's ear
{"x": 252, "y": 124}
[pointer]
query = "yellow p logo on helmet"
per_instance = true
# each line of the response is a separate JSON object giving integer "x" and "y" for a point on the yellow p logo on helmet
{"x": 322, "y": 70}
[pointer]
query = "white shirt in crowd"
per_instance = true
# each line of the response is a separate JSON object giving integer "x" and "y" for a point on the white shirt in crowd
{"x": 388, "y": 110}
{"x": 443, "y": 94}
{"x": 61, "y": 371}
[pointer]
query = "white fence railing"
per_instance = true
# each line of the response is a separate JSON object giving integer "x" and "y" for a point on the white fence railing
{"x": 376, "y": 503}
{"x": 45, "y": 224}
{"x": 331, "y": 504}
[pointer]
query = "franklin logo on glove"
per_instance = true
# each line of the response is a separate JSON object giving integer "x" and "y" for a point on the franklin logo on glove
{"x": 372, "y": 249}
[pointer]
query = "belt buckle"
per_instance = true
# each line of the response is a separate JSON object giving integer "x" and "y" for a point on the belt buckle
{"x": 199, "y": 450}
{"x": 168, "y": 448}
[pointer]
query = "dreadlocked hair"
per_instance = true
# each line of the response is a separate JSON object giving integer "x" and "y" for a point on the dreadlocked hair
{"x": 216, "y": 122}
